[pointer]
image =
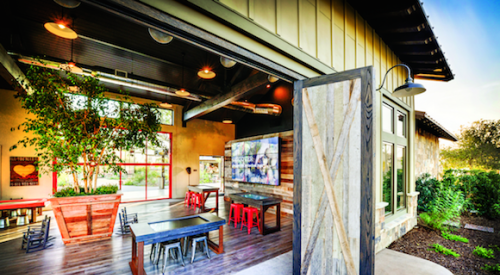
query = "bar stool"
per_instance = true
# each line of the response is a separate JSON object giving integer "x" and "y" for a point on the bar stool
{"x": 195, "y": 240}
{"x": 188, "y": 197}
{"x": 171, "y": 246}
{"x": 236, "y": 210}
{"x": 23, "y": 220}
{"x": 248, "y": 218}
{"x": 196, "y": 197}
{"x": 4, "y": 222}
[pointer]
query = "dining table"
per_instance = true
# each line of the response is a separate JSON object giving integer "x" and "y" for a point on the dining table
{"x": 206, "y": 190}
{"x": 263, "y": 203}
{"x": 146, "y": 233}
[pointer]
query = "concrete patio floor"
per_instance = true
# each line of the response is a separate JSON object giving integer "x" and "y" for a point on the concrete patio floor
{"x": 387, "y": 262}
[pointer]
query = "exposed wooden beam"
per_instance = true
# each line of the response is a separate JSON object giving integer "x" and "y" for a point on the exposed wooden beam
{"x": 240, "y": 90}
{"x": 10, "y": 71}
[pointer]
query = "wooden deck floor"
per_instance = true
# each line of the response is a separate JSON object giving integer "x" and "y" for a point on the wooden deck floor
{"x": 112, "y": 256}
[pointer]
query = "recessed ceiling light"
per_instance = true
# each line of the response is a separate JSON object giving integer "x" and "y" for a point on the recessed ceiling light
{"x": 227, "y": 121}
{"x": 159, "y": 36}
{"x": 226, "y": 62}
{"x": 60, "y": 30}
{"x": 272, "y": 78}
{"x": 182, "y": 93}
{"x": 206, "y": 73}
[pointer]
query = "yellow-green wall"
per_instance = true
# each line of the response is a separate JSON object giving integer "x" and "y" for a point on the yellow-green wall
{"x": 200, "y": 137}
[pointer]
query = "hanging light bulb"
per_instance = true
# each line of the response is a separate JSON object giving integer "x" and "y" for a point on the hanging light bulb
{"x": 61, "y": 30}
{"x": 206, "y": 73}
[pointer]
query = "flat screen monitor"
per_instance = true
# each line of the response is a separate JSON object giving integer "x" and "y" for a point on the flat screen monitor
{"x": 256, "y": 161}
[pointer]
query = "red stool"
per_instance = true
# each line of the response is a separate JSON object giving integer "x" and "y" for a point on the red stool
{"x": 248, "y": 218}
{"x": 196, "y": 200}
{"x": 238, "y": 210}
{"x": 187, "y": 198}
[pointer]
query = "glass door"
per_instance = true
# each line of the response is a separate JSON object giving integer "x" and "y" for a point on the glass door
{"x": 211, "y": 171}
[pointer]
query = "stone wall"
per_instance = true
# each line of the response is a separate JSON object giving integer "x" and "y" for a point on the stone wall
{"x": 388, "y": 231}
{"x": 427, "y": 154}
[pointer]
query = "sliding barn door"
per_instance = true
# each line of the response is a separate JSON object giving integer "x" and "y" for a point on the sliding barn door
{"x": 333, "y": 174}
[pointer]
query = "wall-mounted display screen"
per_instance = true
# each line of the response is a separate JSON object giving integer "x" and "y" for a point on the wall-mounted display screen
{"x": 256, "y": 161}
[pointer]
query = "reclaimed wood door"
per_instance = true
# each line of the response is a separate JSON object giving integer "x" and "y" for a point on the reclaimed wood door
{"x": 333, "y": 174}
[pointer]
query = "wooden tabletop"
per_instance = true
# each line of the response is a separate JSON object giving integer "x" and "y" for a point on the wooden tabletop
{"x": 254, "y": 199}
{"x": 164, "y": 230}
{"x": 202, "y": 188}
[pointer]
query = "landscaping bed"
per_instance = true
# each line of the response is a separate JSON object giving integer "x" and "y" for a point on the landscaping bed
{"x": 418, "y": 241}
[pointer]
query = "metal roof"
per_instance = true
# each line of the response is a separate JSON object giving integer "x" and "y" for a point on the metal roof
{"x": 405, "y": 28}
{"x": 424, "y": 121}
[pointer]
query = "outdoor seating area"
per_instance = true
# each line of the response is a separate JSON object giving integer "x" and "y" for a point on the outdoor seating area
{"x": 61, "y": 259}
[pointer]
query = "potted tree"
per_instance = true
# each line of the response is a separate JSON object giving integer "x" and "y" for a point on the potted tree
{"x": 74, "y": 128}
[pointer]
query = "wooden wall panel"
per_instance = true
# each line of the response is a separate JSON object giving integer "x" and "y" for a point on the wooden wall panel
{"x": 307, "y": 27}
{"x": 324, "y": 32}
{"x": 283, "y": 191}
{"x": 264, "y": 12}
{"x": 288, "y": 20}
{"x": 241, "y": 6}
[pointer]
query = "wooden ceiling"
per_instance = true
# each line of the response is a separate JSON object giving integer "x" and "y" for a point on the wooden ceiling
{"x": 107, "y": 43}
{"x": 404, "y": 27}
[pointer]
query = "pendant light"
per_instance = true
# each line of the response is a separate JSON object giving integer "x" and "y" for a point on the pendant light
{"x": 70, "y": 4}
{"x": 206, "y": 73}
{"x": 71, "y": 65}
{"x": 166, "y": 105}
{"x": 60, "y": 29}
{"x": 409, "y": 88}
{"x": 182, "y": 92}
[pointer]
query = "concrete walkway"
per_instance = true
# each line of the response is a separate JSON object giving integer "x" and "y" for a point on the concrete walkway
{"x": 387, "y": 262}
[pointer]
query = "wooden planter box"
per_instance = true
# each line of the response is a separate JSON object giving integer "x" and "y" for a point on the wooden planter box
{"x": 86, "y": 218}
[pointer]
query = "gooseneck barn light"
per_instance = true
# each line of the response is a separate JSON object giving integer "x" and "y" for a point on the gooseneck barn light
{"x": 409, "y": 88}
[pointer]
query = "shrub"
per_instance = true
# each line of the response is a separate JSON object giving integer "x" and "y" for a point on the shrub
{"x": 487, "y": 253}
{"x": 494, "y": 268}
{"x": 426, "y": 186}
{"x": 446, "y": 251}
{"x": 446, "y": 206}
{"x": 453, "y": 237}
{"x": 101, "y": 190}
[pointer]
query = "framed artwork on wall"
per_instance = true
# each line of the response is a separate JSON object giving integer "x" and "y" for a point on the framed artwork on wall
{"x": 23, "y": 171}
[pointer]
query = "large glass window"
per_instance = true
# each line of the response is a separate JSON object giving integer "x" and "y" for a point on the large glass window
{"x": 148, "y": 172}
{"x": 394, "y": 155}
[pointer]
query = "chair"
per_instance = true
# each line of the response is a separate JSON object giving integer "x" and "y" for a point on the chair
{"x": 130, "y": 218}
{"x": 37, "y": 239}
{"x": 248, "y": 221}
{"x": 124, "y": 223}
{"x": 235, "y": 211}
{"x": 196, "y": 200}
{"x": 195, "y": 240}
{"x": 170, "y": 246}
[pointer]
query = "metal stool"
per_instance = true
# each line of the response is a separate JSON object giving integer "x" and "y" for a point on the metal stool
{"x": 4, "y": 222}
{"x": 171, "y": 246}
{"x": 197, "y": 239}
{"x": 235, "y": 213}
{"x": 23, "y": 220}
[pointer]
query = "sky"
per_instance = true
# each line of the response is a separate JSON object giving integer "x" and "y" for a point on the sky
{"x": 469, "y": 34}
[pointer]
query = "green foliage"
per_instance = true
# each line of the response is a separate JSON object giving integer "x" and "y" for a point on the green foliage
{"x": 205, "y": 177}
{"x": 139, "y": 177}
{"x": 453, "y": 237}
{"x": 101, "y": 190}
{"x": 478, "y": 147}
{"x": 487, "y": 253}
{"x": 494, "y": 268}
{"x": 447, "y": 205}
{"x": 446, "y": 251}
{"x": 480, "y": 189}
{"x": 82, "y": 126}
{"x": 494, "y": 246}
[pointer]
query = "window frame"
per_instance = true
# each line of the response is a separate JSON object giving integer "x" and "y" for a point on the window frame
{"x": 397, "y": 142}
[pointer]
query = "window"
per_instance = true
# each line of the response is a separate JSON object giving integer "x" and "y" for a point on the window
{"x": 394, "y": 157}
{"x": 148, "y": 172}
{"x": 80, "y": 102}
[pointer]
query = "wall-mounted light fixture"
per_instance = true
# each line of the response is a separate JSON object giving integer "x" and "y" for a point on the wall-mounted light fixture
{"x": 407, "y": 89}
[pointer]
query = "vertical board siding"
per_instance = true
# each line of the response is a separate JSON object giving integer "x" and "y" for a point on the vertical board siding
{"x": 329, "y": 30}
